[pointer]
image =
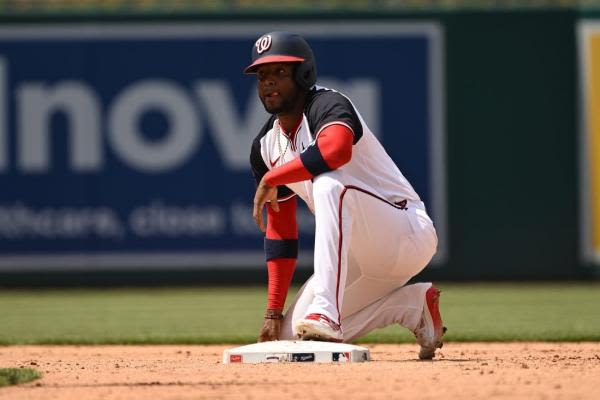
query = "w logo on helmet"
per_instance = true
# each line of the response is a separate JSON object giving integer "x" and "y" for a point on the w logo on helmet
{"x": 263, "y": 44}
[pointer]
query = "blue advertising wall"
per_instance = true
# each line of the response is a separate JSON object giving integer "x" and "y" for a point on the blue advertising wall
{"x": 127, "y": 146}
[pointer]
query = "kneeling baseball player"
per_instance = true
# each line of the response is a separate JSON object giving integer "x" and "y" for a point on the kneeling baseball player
{"x": 372, "y": 231}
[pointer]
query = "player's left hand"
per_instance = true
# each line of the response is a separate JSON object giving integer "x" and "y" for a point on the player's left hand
{"x": 264, "y": 193}
{"x": 271, "y": 327}
{"x": 270, "y": 330}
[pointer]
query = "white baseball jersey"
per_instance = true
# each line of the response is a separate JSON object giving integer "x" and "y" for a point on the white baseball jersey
{"x": 370, "y": 168}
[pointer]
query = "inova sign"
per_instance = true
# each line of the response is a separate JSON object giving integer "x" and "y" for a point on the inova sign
{"x": 127, "y": 146}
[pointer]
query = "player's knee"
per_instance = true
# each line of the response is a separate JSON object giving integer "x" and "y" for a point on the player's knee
{"x": 328, "y": 183}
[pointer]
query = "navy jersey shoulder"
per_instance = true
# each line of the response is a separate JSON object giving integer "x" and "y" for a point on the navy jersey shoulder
{"x": 259, "y": 168}
{"x": 325, "y": 106}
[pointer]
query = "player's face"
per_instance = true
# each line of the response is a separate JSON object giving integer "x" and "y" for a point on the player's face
{"x": 277, "y": 89}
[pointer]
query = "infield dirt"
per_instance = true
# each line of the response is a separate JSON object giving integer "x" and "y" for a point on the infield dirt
{"x": 461, "y": 371}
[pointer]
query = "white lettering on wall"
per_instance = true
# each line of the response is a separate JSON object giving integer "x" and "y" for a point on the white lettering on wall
{"x": 159, "y": 219}
{"x": 232, "y": 127}
{"x": 233, "y": 131}
{"x": 128, "y": 141}
{"x": 36, "y": 103}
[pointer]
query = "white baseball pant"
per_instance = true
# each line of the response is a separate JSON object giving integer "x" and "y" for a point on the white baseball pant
{"x": 366, "y": 250}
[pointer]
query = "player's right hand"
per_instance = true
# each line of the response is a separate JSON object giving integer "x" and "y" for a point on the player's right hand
{"x": 264, "y": 194}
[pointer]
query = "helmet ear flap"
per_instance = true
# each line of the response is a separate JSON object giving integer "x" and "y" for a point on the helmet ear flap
{"x": 306, "y": 74}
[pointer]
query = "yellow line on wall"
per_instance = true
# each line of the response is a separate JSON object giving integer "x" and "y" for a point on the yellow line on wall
{"x": 593, "y": 140}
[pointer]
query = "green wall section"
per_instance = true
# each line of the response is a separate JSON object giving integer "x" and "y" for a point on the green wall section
{"x": 512, "y": 146}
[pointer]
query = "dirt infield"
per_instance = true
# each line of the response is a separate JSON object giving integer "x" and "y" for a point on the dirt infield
{"x": 473, "y": 371}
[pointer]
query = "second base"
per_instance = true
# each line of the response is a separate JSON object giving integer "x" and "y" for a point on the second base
{"x": 296, "y": 351}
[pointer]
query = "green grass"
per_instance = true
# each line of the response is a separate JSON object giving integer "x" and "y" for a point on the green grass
{"x": 514, "y": 312}
{"x": 15, "y": 376}
{"x": 472, "y": 312}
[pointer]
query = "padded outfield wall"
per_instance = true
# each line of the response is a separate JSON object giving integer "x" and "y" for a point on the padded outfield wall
{"x": 146, "y": 170}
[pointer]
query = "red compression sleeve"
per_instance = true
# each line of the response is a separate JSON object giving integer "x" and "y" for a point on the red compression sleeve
{"x": 281, "y": 225}
{"x": 335, "y": 144}
{"x": 281, "y": 271}
{"x": 289, "y": 172}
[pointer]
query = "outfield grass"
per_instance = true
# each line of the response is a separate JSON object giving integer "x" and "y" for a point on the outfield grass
{"x": 15, "y": 376}
{"x": 472, "y": 312}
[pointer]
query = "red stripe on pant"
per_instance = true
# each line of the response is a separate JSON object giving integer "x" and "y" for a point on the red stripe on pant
{"x": 340, "y": 241}
{"x": 339, "y": 269}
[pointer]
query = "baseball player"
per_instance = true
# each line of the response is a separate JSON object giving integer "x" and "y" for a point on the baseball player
{"x": 372, "y": 231}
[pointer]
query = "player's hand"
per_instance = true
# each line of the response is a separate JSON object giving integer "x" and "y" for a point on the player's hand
{"x": 270, "y": 330}
{"x": 271, "y": 327}
{"x": 264, "y": 193}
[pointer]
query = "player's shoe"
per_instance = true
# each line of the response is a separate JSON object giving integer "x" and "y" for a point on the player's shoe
{"x": 430, "y": 330}
{"x": 318, "y": 327}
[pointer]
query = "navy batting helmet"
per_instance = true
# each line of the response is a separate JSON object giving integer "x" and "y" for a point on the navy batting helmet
{"x": 285, "y": 47}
